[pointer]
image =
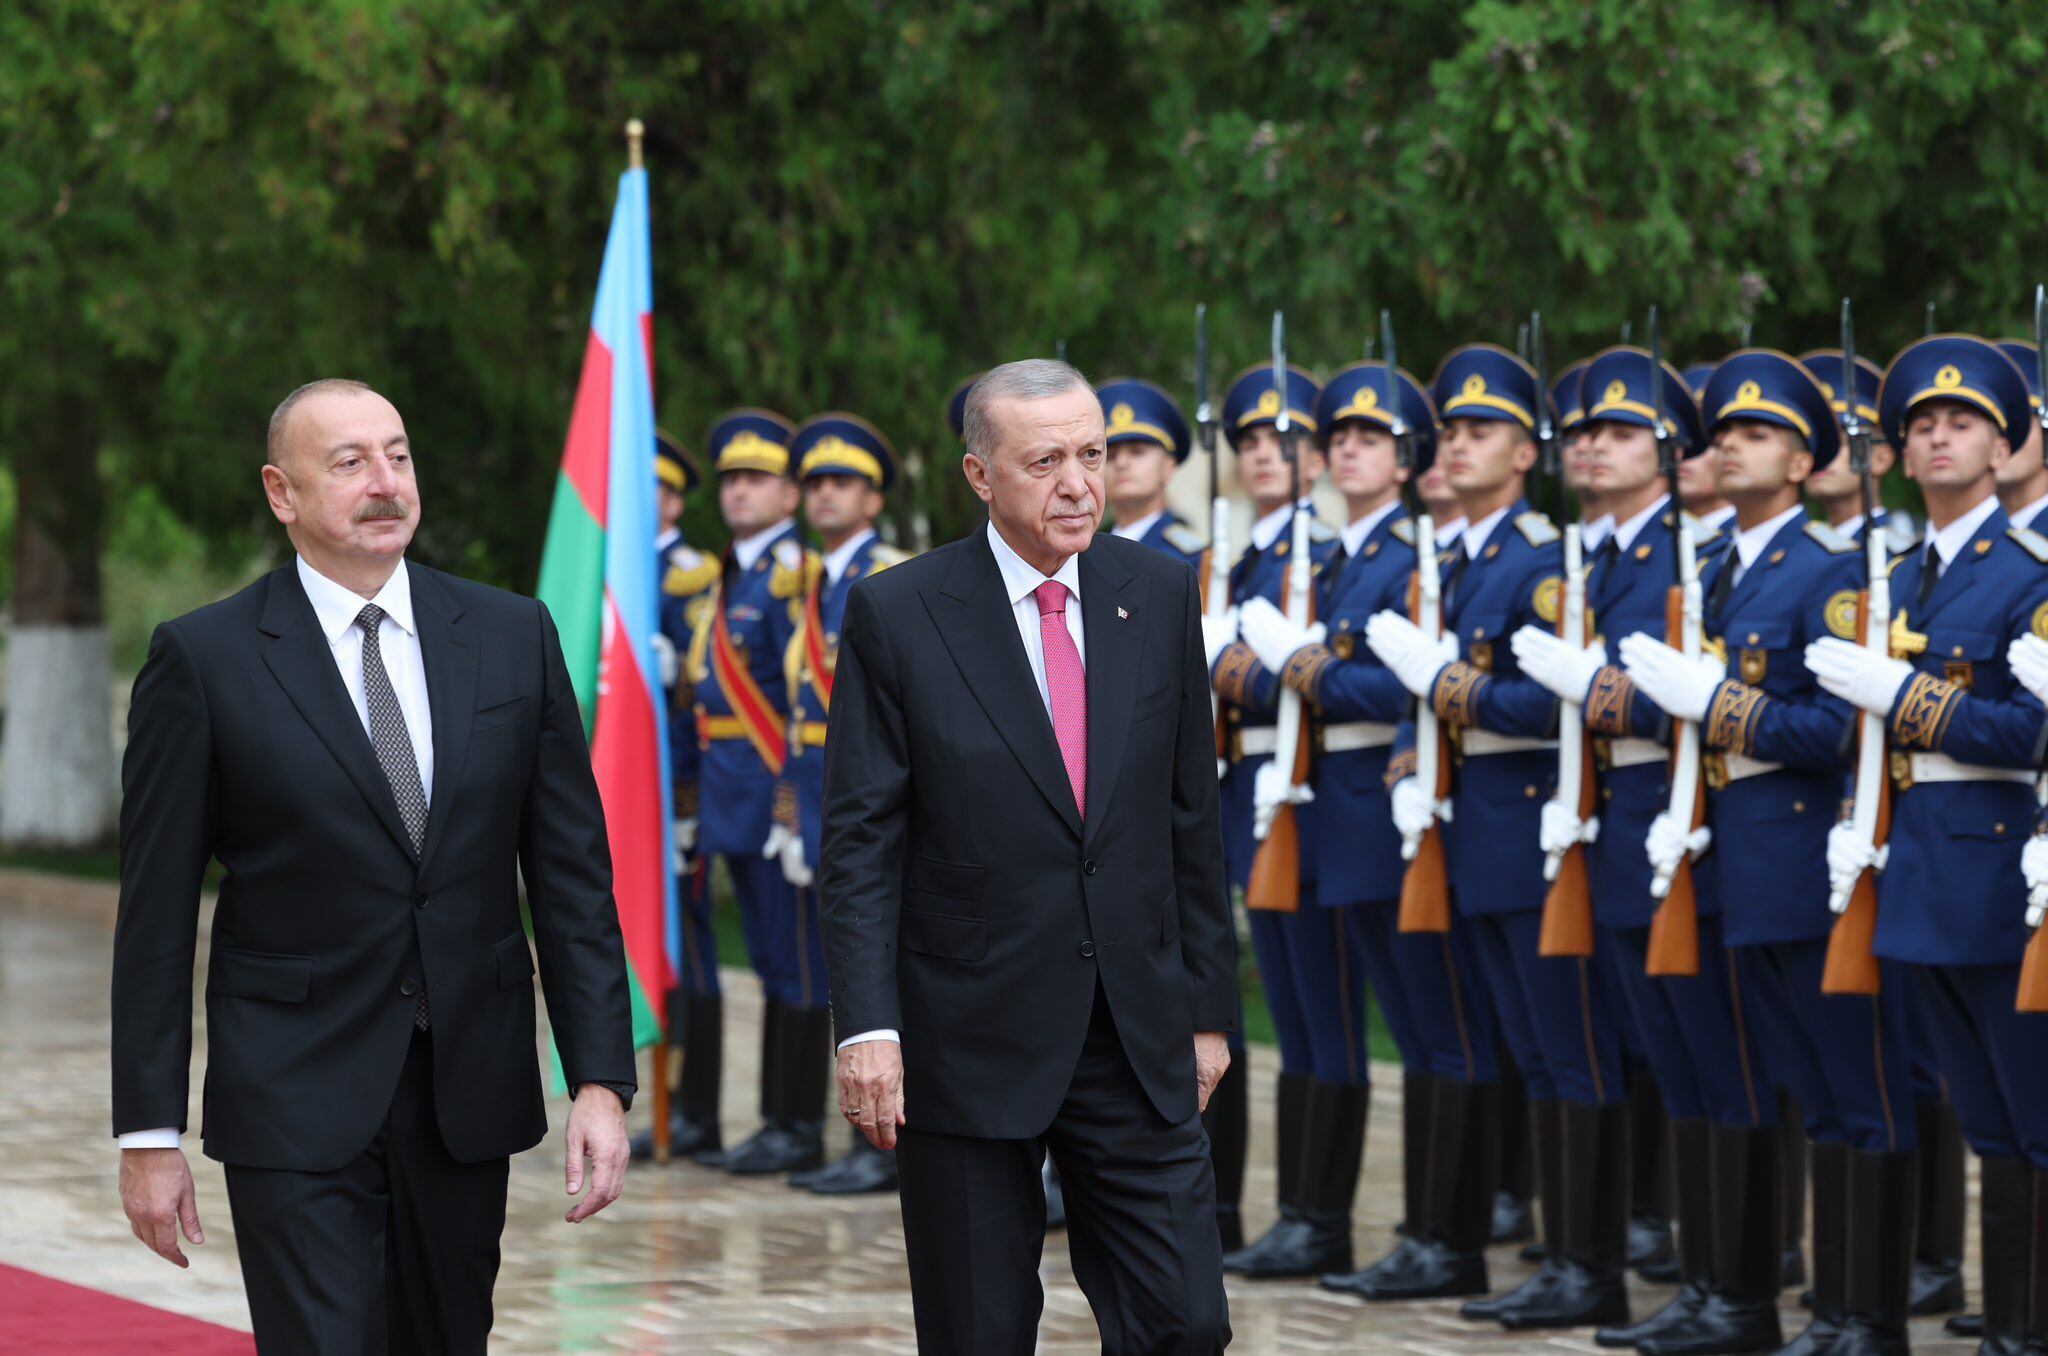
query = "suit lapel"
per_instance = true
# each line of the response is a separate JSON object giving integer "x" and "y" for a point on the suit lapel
{"x": 1755, "y": 578}
{"x": 1112, "y": 600}
{"x": 303, "y": 664}
{"x": 450, "y": 662}
{"x": 973, "y": 615}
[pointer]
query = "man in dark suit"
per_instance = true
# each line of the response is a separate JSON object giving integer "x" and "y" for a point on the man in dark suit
{"x": 1025, "y": 920}
{"x": 375, "y": 752}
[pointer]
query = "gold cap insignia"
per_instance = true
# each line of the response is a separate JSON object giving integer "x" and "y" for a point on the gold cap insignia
{"x": 1616, "y": 392}
{"x": 1269, "y": 402}
{"x": 1949, "y": 377}
{"x": 1748, "y": 393}
{"x": 1122, "y": 417}
{"x": 1475, "y": 385}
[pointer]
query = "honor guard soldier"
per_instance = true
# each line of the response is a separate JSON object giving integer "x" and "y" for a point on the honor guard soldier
{"x": 2023, "y": 480}
{"x": 696, "y": 1010}
{"x": 1965, "y": 743}
{"x": 1308, "y": 1237}
{"x": 1148, "y": 441}
{"x": 1836, "y": 490}
{"x": 736, "y": 663}
{"x": 1777, "y": 753}
{"x": 1699, "y": 478}
{"x": 844, "y": 465}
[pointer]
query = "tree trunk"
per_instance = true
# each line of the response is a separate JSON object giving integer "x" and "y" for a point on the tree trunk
{"x": 57, "y": 780}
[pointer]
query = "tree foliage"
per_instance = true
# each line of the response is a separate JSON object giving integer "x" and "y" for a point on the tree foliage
{"x": 204, "y": 202}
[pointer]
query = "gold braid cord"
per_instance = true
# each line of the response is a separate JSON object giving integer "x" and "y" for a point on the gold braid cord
{"x": 1456, "y": 696}
{"x": 1400, "y": 765}
{"x": 1610, "y": 702}
{"x": 1921, "y": 717}
{"x": 1732, "y": 719}
{"x": 1304, "y": 671}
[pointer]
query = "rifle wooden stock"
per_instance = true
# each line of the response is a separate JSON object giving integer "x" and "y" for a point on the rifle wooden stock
{"x": 1568, "y": 906}
{"x": 1674, "y": 949}
{"x": 1275, "y": 881}
{"x": 1426, "y": 885}
{"x": 2033, "y": 995}
{"x": 1851, "y": 966}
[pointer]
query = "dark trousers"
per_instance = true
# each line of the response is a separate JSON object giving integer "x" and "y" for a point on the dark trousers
{"x": 1141, "y": 1222}
{"x": 395, "y": 1252}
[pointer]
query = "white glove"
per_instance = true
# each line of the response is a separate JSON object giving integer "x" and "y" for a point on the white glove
{"x": 1402, "y": 647}
{"x": 1217, "y": 633}
{"x": 1856, "y": 675}
{"x": 787, "y": 845}
{"x": 2034, "y": 864}
{"x": 1848, "y": 855}
{"x": 1566, "y": 669}
{"x": 664, "y": 658}
{"x": 1558, "y": 829}
{"x": 1273, "y": 787}
{"x": 1412, "y": 814}
{"x": 1683, "y": 687}
{"x": 1272, "y": 637}
{"x": 2028, "y": 657}
{"x": 1667, "y": 844}
{"x": 685, "y": 844}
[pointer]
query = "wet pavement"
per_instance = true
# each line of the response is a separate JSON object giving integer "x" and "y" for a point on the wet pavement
{"x": 689, "y": 1261}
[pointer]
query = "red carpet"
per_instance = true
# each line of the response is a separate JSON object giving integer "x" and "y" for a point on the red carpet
{"x": 39, "y": 1315}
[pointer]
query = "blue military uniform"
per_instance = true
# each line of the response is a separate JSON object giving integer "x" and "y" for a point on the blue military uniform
{"x": 1136, "y": 411}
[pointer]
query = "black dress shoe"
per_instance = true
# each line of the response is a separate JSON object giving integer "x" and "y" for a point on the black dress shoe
{"x": 1722, "y": 1324}
{"x": 1649, "y": 1240}
{"x": 1818, "y": 1339}
{"x": 1055, "y": 1198}
{"x": 1866, "y": 1337}
{"x": 1791, "y": 1269}
{"x": 1490, "y": 1309}
{"x": 1937, "y": 1288}
{"x": 1388, "y": 1270}
{"x": 1964, "y": 1325}
{"x": 1513, "y": 1220}
{"x": 1683, "y": 1306}
{"x": 1295, "y": 1248}
{"x": 686, "y": 1139}
{"x": 863, "y": 1170}
{"x": 1430, "y": 1271}
{"x": 788, "y": 1147}
{"x": 1577, "y": 1297}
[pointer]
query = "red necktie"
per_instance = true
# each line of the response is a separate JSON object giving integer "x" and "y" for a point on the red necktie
{"x": 1066, "y": 685}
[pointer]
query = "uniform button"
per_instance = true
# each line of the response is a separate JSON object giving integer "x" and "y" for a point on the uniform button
{"x": 1088, "y": 867}
{"x": 1087, "y": 948}
{"x": 1798, "y": 807}
{"x": 419, "y": 901}
{"x": 1529, "y": 791}
{"x": 1998, "y": 828}
{"x": 409, "y": 988}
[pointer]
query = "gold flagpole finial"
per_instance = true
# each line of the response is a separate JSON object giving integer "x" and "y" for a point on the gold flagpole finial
{"x": 636, "y": 131}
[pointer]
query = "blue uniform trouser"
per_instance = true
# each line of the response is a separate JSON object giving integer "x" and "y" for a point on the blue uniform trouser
{"x": 1315, "y": 989}
{"x": 1995, "y": 1058}
{"x": 699, "y": 943}
{"x": 1847, "y": 1058}
{"x": 781, "y": 926}
{"x": 1552, "y": 1010}
{"x": 1696, "y": 1032}
{"x": 1430, "y": 994}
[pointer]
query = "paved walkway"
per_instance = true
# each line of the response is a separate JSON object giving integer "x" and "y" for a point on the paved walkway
{"x": 690, "y": 1261}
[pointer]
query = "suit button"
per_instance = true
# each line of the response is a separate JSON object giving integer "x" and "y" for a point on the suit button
{"x": 419, "y": 901}
{"x": 409, "y": 988}
{"x": 1088, "y": 867}
{"x": 1087, "y": 948}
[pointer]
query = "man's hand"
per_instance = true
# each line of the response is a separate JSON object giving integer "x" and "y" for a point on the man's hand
{"x": 1212, "y": 1061}
{"x": 871, "y": 1090}
{"x": 597, "y": 1131}
{"x": 156, "y": 1193}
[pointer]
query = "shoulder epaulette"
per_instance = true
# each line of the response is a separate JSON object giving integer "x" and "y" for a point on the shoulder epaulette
{"x": 2035, "y": 544}
{"x": 1536, "y": 529}
{"x": 1184, "y": 539}
{"x": 1321, "y": 532}
{"x": 884, "y": 555}
{"x": 1404, "y": 531}
{"x": 1896, "y": 561}
{"x": 689, "y": 571}
{"x": 1834, "y": 542}
{"x": 794, "y": 567}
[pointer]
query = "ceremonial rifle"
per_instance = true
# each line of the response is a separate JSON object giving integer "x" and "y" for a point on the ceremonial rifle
{"x": 1426, "y": 886}
{"x": 2033, "y": 996}
{"x": 1852, "y": 963}
{"x": 1568, "y": 906}
{"x": 1216, "y": 569}
{"x": 1674, "y": 947}
{"x": 1275, "y": 881}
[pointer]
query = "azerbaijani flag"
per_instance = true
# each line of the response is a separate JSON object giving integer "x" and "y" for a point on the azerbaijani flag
{"x": 597, "y": 577}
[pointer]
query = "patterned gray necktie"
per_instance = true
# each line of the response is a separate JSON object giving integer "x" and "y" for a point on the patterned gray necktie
{"x": 393, "y": 745}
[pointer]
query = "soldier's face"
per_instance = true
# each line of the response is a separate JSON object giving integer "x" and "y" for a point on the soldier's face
{"x": 1264, "y": 470}
{"x": 1138, "y": 472}
{"x": 668, "y": 506}
{"x": 754, "y": 500}
{"x": 1623, "y": 458}
{"x": 838, "y": 505}
{"x": 1043, "y": 481}
{"x": 1699, "y": 477}
{"x": 1362, "y": 460}
{"x": 1577, "y": 459}
{"x": 2025, "y": 464}
{"x": 1436, "y": 493}
{"x": 1482, "y": 456}
{"x": 1835, "y": 481}
{"x": 1759, "y": 460}
{"x": 1950, "y": 445}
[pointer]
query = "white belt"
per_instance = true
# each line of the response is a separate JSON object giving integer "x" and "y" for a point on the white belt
{"x": 1477, "y": 743}
{"x": 1939, "y": 767}
{"x": 1256, "y": 740}
{"x": 1357, "y": 734}
{"x": 1634, "y": 752}
{"x": 1736, "y": 766}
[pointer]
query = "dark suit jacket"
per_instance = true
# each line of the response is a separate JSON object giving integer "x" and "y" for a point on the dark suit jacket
{"x": 966, "y": 903}
{"x": 244, "y": 746}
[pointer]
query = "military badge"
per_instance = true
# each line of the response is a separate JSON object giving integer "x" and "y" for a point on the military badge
{"x": 1754, "y": 665}
{"x": 1549, "y": 600}
{"x": 1958, "y": 671}
{"x": 1482, "y": 656}
{"x": 2040, "y": 624}
{"x": 1841, "y": 614}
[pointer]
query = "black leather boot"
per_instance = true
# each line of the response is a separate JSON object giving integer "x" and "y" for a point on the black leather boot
{"x": 1589, "y": 1287}
{"x": 2005, "y": 1217}
{"x": 1290, "y": 1107}
{"x": 1546, "y": 1143}
{"x": 1418, "y": 1092}
{"x": 1792, "y": 1174}
{"x": 1938, "y": 1255}
{"x": 1444, "y": 1255}
{"x": 693, "y": 1113}
{"x": 795, "y": 1140}
{"x": 1225, "y": 1120}
{"x": 1652, "y": 1196}
{"x": 1741, "y": 1309}
{"x": 1884, "y": 1191}
{"x": 2037, "y": 1267}
{"x": 1695, "y": 1254}
{"x": 1830, "y": 1168}
{"x": 1513, "y": 1220}
{"x": 774, "y": 1053}
{"x": 1317, "y": 1239}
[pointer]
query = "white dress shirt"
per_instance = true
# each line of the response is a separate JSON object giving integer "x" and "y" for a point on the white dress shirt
{"x": 1267, "y": 530}
{"x": 2024, "y": 517}
{"x": 839, "y": 558}
{"x": 335, "y": 609}
{"x": 1358, "y": 529}
{"x": 1751, "y": 541}
{"x": 1134, "y": 530}
{"x": 1475, "y": 534}
{"x": 1949, "y": 540}
{"x": 1593, "y": 534}
{"x": 1447, "y": 531}
{"x": 747, "y": 550}
{"x": 1625, "y": 534}
{"x": 1020, "y": 582}
{"x": 1719, "y": 518}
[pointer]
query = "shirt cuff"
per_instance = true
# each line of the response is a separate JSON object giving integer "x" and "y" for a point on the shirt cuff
{"x": 166, "y": 1138}
{"x": 878, "y": 1034}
